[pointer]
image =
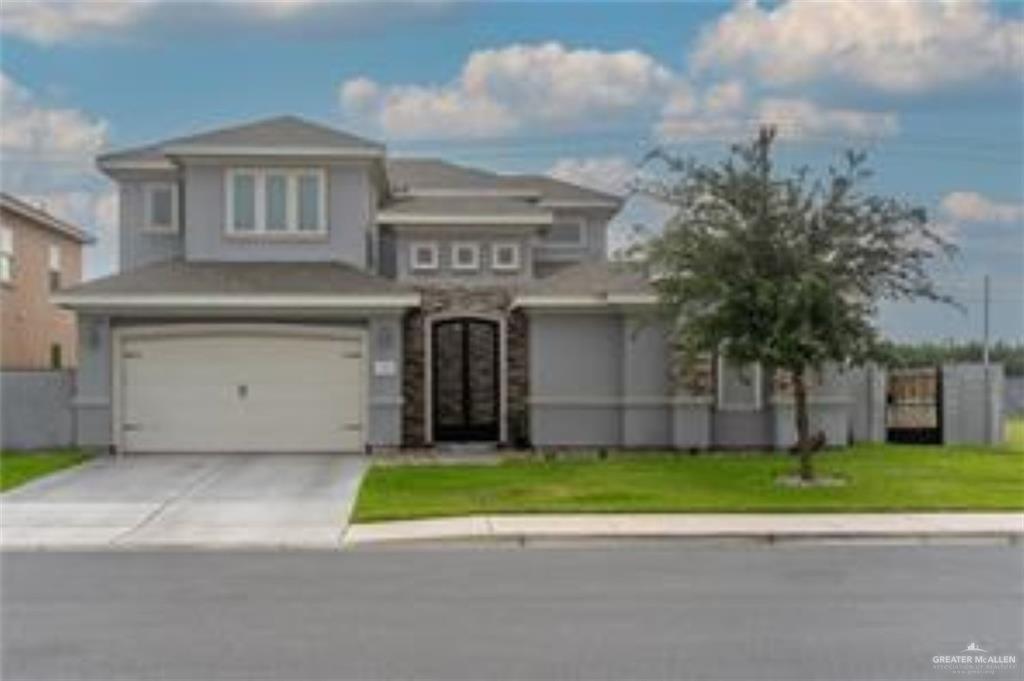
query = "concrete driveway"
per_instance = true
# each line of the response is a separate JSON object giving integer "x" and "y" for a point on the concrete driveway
{"x": 187, "y": 500}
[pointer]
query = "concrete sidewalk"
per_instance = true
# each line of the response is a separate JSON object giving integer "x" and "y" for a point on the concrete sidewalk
{"x": 754, "y": 526}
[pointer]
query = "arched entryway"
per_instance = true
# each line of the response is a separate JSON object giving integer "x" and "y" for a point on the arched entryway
{"x": 466, "y": 379}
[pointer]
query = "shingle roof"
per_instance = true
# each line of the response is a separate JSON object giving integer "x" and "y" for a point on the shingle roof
{"x": 555, "y": 190}
{"x": 429, "y": 175}
{"x": 467, "y": 208}
{"x": 41, "y": 217}
{"x": 177, "y": 277}
{"x": 434, "y": 174}
{"x": 281, "y": 132}
{"x": 596, "y": 279}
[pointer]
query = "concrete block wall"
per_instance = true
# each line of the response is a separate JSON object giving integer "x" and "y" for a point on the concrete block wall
{"x": 972, "y": 404}
{"x": 36, "y": 409}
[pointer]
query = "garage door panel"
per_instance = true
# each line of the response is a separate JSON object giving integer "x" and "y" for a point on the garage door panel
{"x": 242, "y": 393}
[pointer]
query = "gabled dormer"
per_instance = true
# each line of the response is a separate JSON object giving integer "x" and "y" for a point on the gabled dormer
{"x": 279, "y": 189}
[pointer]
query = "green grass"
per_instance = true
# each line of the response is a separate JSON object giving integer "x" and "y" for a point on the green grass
{"x": 1015, "y": 434}
{"x": 879, "y": 478}
{"x": 17, "y": 468}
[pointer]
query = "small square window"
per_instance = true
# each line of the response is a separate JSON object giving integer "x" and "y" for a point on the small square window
{"x": 505, "y": 256}
{"x": 465, "y": 255}
{"x": 423, "y": 256}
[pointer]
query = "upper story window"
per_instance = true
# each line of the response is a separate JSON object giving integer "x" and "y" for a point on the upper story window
{"x": 505, "y": 256}
{"x": 423, "y": 255}
{"x": 465, "y": 255}
{"x": 53, "y": 266}
{"x": 276, "y": 201}
{"x": 161, "y": 207}
{"x": 6, "y": 255}
{"x": 567, "y": 232}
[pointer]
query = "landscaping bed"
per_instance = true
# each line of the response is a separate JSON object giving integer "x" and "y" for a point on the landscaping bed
{"x": 17, "y": 468}
{"x": 877, "y": 478}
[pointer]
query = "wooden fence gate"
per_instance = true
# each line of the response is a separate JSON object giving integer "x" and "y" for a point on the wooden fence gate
{"x": 914, "y": 405}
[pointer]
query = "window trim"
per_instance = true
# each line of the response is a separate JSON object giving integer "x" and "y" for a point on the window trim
{"x": 431, "y": 247}
{"x": 147, "y": 224}
{"x": 516, "y": 249}
{"x": 7, "y": 255}
{"x": 758, "y": 401}
{"x": 581, "y": 242}
{"x": 52, "y": 263}
{"x": 259, "y": 175}
{"x": 474, "y": 248}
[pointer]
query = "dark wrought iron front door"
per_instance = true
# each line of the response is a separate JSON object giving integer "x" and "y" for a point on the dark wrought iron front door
{"x": 466, "y": 380}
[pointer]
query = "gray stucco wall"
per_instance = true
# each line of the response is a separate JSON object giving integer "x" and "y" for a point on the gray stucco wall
{"x": 350, "y": 201}
{"x": 605, "y": 380}
{"x": 575, "y": 379}
{"x": 138, "y": 247}
{"x": 445, "y": 238}
{"x": 93, "y": 397}
{"x": 36, "y": 409}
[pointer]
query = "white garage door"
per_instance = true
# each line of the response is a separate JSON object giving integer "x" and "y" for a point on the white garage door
{"x": 247, "y": 393}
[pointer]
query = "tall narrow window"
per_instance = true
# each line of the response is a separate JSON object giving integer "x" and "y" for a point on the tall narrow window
{"x": 309, "y": 203}
{"x": 161, "y": 207}
{"x": 56, "y": 356}
{"x": 277, "y": 202}
{"x": 53, "y": 261}
{"x": 243, "y": 202}
{"x": 6, "y": 255}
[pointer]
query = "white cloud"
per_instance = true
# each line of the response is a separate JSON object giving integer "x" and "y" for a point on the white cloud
{"x": 604, "y": 173}
{"x": 51, "y": 21}
{"x": 509, "y": 89}
{"x": 891, "y": 45}
{"x": 723, "y": 113}
{"x": 46, "y": 155}
{"x": 57, "y": 134}
{"x": 968, "y": 206}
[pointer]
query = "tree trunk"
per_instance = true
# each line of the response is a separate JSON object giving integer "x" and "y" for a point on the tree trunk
{"x": 804, "y": 446}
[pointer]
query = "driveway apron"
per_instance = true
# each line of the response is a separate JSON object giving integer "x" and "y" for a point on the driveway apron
{"x": 187, "y": 500}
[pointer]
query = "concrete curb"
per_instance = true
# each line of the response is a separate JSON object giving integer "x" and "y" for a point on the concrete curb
{"x": 762, "y": 528}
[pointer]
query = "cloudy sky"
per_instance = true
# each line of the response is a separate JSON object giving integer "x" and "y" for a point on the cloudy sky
{"x": 933, "y": 90}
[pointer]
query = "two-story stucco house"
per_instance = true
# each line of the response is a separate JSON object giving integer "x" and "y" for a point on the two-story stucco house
{"x": 39, "y": 254}
{"x": 286, "y": 287}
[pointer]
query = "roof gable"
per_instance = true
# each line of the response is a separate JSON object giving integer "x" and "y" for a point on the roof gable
{"x": 270, "y": 136}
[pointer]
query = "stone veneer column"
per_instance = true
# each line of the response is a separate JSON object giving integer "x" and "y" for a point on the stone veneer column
{"x": 470, "y": 302}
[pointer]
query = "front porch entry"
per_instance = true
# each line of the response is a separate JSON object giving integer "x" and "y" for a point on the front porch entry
{"x": 466, "y": 379}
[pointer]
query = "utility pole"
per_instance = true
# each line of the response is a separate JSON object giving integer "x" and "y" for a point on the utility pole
{"x": 984, "y": 351}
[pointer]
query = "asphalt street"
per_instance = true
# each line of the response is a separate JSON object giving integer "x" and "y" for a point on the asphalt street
{"x": 668, "y": 611}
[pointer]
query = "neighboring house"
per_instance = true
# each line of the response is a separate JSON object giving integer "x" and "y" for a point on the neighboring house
{"x": 289, "y": 287}
{"x": 39, "y": 254}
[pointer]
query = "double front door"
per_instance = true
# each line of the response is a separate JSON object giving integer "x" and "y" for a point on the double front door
{"x": 466, "y": 380}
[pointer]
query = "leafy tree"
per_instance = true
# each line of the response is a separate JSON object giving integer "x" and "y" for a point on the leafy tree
{"x": 782, "y": 269}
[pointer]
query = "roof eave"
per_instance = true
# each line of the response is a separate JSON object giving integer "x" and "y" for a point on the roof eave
{"x": 566, "y": 302}
{"x": 350, "y": 302}
{"x": 413, "y": 219}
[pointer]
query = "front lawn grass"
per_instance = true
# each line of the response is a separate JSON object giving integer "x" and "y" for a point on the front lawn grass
{"x": 879, "y": 478}
{"x": 17, "y": 468}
